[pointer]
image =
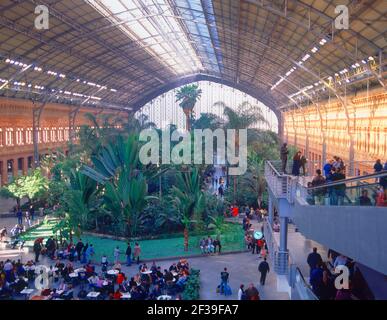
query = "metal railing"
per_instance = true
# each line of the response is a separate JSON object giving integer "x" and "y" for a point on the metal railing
{"x": 279, "y": 183}
{"x": 284, "y": 264}
{"x": 344, "y": 192}
{"x": 358, "y": 167}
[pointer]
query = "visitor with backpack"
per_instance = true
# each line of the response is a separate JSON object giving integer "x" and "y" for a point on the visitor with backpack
{"x": 224, "y": 287}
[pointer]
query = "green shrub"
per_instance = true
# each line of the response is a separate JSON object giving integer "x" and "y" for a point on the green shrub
{"x": 192, "y": 286}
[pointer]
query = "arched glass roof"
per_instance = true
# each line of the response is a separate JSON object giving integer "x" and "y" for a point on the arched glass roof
{"x": 113, "y": 53}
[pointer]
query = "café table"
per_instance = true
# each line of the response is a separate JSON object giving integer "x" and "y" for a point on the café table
{"x": 164, "y": 297}
{"x": 27, "y": 292}
{"x": 126, "y": 296}
{"x": 79, "y": 270}
{"x": 73, "y": 275}
{"x": 146, "y": 272}
{"x": 112, "y": 272}
{"x": 93, "y": 295}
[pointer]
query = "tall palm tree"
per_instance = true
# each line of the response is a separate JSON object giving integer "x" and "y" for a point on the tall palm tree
{"x": 188, "y": 96}
{"x": 189, "y": 199}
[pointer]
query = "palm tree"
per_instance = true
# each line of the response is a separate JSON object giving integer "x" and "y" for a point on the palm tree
{"x": 242, "y": 117}
{"x": 207, "y": 121}
{"x": 188, "y": 198}
{"x": 188, "y": 96}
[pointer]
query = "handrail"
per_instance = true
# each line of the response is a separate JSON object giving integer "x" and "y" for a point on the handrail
{"x": 306, "y": 285}
{"x": 353, "y": 179}
{"x": 275, "y": 170}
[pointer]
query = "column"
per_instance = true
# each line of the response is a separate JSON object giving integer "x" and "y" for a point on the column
{"x": 4, "y": 175}
{"x": 351, "y": 157}
{"x": 282, "y": 260}
{"x": 324, "y": 152}
{"x": 25, "y": 166}
{"x": 15, "y": 172}
{"x": 270, "y": 210}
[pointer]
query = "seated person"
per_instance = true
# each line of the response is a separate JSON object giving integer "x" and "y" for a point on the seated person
{"x": 19, "y": 284}
{"x": 120, "y": 278}
{"x": 93, "y": 280}
{"x": 168, "y": 276}
{"x": 116, "y": 295}
{"x": 117, "y": 266}
{"x": 182, "y": 280}
{"x": 202, "y": 245}
{"x": 173, "y": 267}
{"x": 132, "y": 282}
{"x": 155, "y": 292}
{"x": 89, "y": 269}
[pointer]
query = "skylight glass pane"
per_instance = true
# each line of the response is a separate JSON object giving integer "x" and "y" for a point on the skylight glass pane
{"x": 153, "y": 25}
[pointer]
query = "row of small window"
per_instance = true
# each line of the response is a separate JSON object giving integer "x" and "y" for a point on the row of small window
{"x": 21, "y": 136}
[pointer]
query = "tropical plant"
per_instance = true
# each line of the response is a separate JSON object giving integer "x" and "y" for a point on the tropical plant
{"x": 118, "y": 169}
{"x": 188, "y": 96}
{"x": 188, "y": 199}
{"x": 192, "y": 286}
{"x": 32, "y": 186}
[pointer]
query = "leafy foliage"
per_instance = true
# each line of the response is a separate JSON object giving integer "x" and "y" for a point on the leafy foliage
{"x": 32, "y": 186}
{"x": 192, "y": 286}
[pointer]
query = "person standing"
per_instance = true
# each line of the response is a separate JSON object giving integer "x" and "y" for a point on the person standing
{"x": 224, "y": 276}
{"x": 28, "y": 218}
{"x": 303, "y": 164}
{"x": 252, "y": 293}
{"x": 19, "y": 215}
{"x": 264, "y": 269}
{"x": 37, "y": 249}
{"x": 319, "y": 194}
{"x": 378, "y": 166}
{"x": 241, "y": 293}
{"x": 116, "y": 255}
{"x": 284, "y": 156}
{"x": 84, "y": 250}
{"x": 79, "y": 248}
{"x": 314, "y": 258}
{"x": 296, "y": 164}
{"x": 89, "y": 253}
{"x": 128, "y": 255}
{"x": 136, "y": 253}
{"x": 32, "y": 212}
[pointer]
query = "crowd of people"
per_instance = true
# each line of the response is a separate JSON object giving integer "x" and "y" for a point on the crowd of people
{"x": 65, "y": 282}
{"x": 322, "y": 277}
{"x": 333, "y": 171}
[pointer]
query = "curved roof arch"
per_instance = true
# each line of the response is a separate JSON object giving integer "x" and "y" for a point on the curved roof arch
{"x": 258, "y": 94}
{"x": 118, "y": 53}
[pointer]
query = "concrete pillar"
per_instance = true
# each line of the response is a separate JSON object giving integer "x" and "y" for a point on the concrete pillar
{"x": 283, "y": 254}
{"x": 283, "y": 233}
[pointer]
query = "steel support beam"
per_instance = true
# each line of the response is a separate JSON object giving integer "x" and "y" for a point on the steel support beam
{"x": 37, "y": 110}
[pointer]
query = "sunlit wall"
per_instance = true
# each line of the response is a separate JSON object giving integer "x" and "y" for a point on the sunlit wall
{"x": 165, "y": 110}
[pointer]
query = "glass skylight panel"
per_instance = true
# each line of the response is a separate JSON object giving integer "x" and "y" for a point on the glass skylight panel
{"x": 152, "y": 24}
{"x": 195, "y": 20}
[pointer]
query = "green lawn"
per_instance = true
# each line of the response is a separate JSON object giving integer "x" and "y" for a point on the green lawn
{"x": 231, "y": 240}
